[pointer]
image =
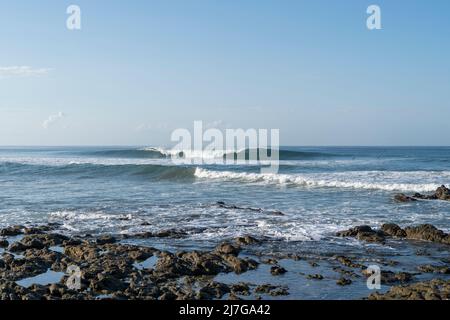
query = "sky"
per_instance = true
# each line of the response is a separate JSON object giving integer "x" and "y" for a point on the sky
{"x": 137, "y": 70}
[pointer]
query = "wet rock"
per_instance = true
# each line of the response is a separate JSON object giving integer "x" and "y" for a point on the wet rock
{"x": 427, "y": 232}
{"x": 240, "y": 265}
{"x": 346, "y": 272}
{"x": 364, "y": 233}
{"x": 353, "y": 232}
{"x": 344, "y": 282}
{"x": 226, "y": 248}
{"x": 277, "y": 270}
{"x": 401, "y": 197}
{"x": 389, "y": 277}
{"x": 240, "y": 288}
{"x": 11, "y": 231}
{"x": 107, "y": 239}
{"x": 434, "y": 269}
{"x": 393, "y": 230}
{"x": 269, "y": 261}
{"x": 371, "y": 237}
{"x": 105, "y": 283}
{"x": 246, "y": 240}
{"x": 313, "y": 264}
{"x": 315, "y": 276}
{"x": 172, "y": 233}
{"x": 38, "y": 229}
{"x": 431, "y": 290}
{"x": 4, "y": 243}
{"x": 213, "y": 290}
{"x": 198, "y": 263}
{"x": 348, "y": 262}
{"x": 26, "y": 243}
{"x": 272, "y": 290}
{"x": 441, "y": 193}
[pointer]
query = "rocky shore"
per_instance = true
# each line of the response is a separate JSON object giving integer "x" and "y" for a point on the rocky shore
{"x": 111, "y": 269}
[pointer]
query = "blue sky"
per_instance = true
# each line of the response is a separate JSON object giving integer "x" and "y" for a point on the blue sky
{"x": 139, "y": 69}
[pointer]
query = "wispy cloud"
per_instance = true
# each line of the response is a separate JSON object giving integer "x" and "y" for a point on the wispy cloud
{"x": 23, "y": 71}
{"x": 52, "y": 119}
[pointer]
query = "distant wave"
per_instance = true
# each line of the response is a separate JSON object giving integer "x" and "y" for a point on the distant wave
{"x": 232, "y": 154}
{"x": 413, "y": 181}
{"x": 89, "y": 170}
{"x": 340, "y": 180}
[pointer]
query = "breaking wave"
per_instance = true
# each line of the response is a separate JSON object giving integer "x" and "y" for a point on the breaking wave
{"x": 387, "y": 180}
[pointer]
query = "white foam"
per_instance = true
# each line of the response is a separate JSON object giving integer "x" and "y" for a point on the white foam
{"x": 193, "y": 154}
{"x": 377, "y": 180}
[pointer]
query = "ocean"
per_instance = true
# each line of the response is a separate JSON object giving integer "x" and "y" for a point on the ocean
{"x": 317, "y": 192}
{"x": 126, "y": 190}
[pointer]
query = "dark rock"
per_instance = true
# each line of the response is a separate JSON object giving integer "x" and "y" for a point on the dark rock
{"x": 313, "y": 264}
{"x": 26, "y": 243}
{"x": 213, "y": 290}
{"x": 393, "y": 230}
{"x": 226, "y": 248}
{"x": 426, "y": 232}
{"x": 431, "y": 290}
{"x": 277, "y": 270}
{"x": 401, "y": 197}
{"x": 240, "y": 288}
{"x": 315, "y": 276}
{"x": 246, "y": 240}
{"x": 343, "y": 282}
{"x": 4, "y": 243}
{"x": 348, "y": 262}
{"x": 434, "y": 269}
{"x": 107, "y": 239}
{"x": 105, "y": 283}
{"x": 443, "y": 193}
{"x": 269, "y": 261}
{"x": 272, "y": 290}
{"x": 377, "y": 237}
{"x": 389, "y": 277}
{"x": 353, "y": 232}
{"x": 11, "y": 231}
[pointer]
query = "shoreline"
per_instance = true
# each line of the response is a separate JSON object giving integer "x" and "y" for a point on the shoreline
{"x": 34, "y": 263}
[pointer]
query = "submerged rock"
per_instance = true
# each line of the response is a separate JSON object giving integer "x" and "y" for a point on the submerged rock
{"x": 430, "y": 290}
{"x": 315, "y": 276}
{"x": 343, "y": 282}
{"x": 425, "y": 232}
{"x": 277, "y": 270}
{"x": 434, "y": 269}
{"x": 364, "y": 233}
{"x": 441, "y": 193}
{"x": 401, "y": 197}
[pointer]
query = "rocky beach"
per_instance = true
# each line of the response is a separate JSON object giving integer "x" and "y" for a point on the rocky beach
{"x": 35, "y": 260}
